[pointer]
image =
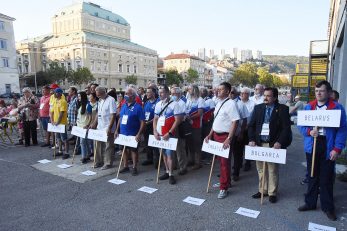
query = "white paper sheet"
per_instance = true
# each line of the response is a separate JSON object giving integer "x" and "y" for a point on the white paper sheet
{"x": 63, "y": 166}
{"x": 320, "y": 118}
{"x": 78, "y": 131}
{"x": 170, "y": 144}
{"x": 215, "y": 148}
{"x": 266, "y": 154}
{"x": 128, "y": 141}
{"x": 317, "y": 227}
{"x": 88, "y": 173}
{"x": 44, "y": 161}
{"x": 60, "y": 128}
{"x": 99, "y": 135}
{"x": 247, "y": 212}
{"x": 194, "y": 200}
{"x": 147, "y": 189}
{"x": 117, "y": 181}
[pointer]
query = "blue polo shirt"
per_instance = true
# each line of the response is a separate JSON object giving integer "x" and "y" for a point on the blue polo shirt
{"x": 149, "y": 109}
{"x": 135, "y": 116}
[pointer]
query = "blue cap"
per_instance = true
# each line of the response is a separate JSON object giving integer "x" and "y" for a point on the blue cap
{"x": 58, "y": 90}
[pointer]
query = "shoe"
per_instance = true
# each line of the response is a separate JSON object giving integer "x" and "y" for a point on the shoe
{"x": 182, "y": 172}
{"x": 222, "y": 194}
{"x": 196, "y": 167}
{"x": 98, "y": 165}
{"x": 147, "y": 162}
{"x": 304, "y": 208}
{"x": 134, "y": 172}
{"x": 106, "y": 167}
{"x": 216, "y": 185}
{"x": 124, "y": 170}
{"x": 304, "y": 181}
{"x": 19, "y": 143}
{"x": 84, "y": 160}
{"x": 59, "y": 153}
{"x": 190, "y": 164}
{"x": 45, "y": 145}
{"x": 236, "y": 178}
{"x": 273, "y": 199}
{"x": 65, "y": 156}
{"x": 172, "y": 180}
{"x": 27, "y": 145}
{"x": 165, "y": 176}
{"x": 247, "y": 168}
{"x": 258, "y": 195}
{"x": 331, "y": 215}
{"x": 35, "y": 144}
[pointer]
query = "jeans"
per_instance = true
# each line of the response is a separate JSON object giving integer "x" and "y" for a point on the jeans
{"x": 84, "y": 147}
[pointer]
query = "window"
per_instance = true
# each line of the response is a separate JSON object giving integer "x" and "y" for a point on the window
{"x": 128, "y": 68}
{"x": 3, "y": 44}
{"x": 20, "y": 69}
{"x": 96, "y": 14}
{"x": 5, "y": 62}
{"x": 120, "y": 67}
{"x": 2, "y": 26}
{"x": 62, "y": 65}
{"x": 120, "y": 82}
{"x": 69, "y": 66}
{"x": 105, "y": 81}
{"x": 78, "y": 64}
{"x": 105, "y": 66}
{"x": 92, "y": 65}
{"x": 135, "y": 69}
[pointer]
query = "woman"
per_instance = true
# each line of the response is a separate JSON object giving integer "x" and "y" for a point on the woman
{"x": 29, "y": 110}
{"x": 3, "y": 109}
{"x": 93, "y": 106}
{"x": 83, "y": 120}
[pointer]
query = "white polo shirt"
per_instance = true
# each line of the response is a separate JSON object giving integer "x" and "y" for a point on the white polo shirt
{"x": 250, "y": 107}
{"x": 227, "y": 114}
{"x": 257, "y": 100}
{"x": 106, "y": 108}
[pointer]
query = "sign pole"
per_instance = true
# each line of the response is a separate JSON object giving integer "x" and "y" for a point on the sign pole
{"x": 95, "y": 142}
{"x": 120, "y": 163}
{"x": 209, "y": 178}
{"x": 74, "y": 151}
{"x": 54, "y": 145}
{"x": 160, "y": 155}
{"x": 263, "y": 182}
{"x": 313, "y": 154}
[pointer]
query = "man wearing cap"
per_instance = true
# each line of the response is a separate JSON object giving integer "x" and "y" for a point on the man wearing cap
{"x": 59, "y": 116}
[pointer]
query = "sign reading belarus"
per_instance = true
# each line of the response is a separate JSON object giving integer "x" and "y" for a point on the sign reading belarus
{"x": 215, "y": 148}
{"x": 99, "y": 135}
{"x": 271, "y": 155}
{"x": 128, "y": 141}
{"x": 170, "y": 144}
{"x": 79, "y": 132}
{"x": 319, "y": 118}
{"x": 60, "y": 128}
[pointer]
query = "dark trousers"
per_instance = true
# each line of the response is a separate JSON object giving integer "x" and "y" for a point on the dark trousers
{"x": 30, "y": 129}
{"x": 323, "y": 180}
{"x": 238, "y": 146}
{"x": 152, "y": 153}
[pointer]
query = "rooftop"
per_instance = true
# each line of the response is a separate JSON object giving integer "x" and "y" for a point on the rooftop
{"x": 182, "y": 56}
{"x": 6, "y": 17}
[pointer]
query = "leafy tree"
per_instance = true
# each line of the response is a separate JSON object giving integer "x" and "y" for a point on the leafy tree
{"x": 42, "y": 79}
{"x": 131, "y": 79}
{"x": 80, "y": 76}
{"x": 265, "y": 77}
{"x": 277, "y": 82}
{"x": 57, "y": 73}
{"x": 246, "y": 75}
{"x": 192, "y": 76}
{"x": 173, "y": 77}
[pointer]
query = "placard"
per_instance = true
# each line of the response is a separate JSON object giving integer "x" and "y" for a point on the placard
{"x": 147, "y": 189}
{"x": 319, "y": 118}
{"x": 215, "y": 148}
{"x": 99, "y": 135}
{"x": 194, "y": 201}
{"x": 79, "y": 132}
{"x": 117, "y": 181}
{"x": 271, "y": 155}
{"x": 170, "y": 144}
{"x": 128, "y": 141}
{"x": 247, "y": 212}
{"x": 316, "y": 227}
{"x": 60, "y": 128}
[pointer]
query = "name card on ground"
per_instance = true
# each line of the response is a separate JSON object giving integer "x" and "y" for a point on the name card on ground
{"x": 320, "y": 118}
{"x": 128, "y": 141}
{"x": 194, "y": 201}
{"x": 316, "y": 227}
{"x": 99, "y": 135}
{"x": 44, "y": 161}
{"x": 147, "y": 189}
{"x": 170, "y": 144}
{"x": 247, "y": 212}
{"x": 88, "y": 173}
{"x": 64, "y": 166}
{"x": 79, "y": 132}
{"x": 117, "y": 181}
{"x": 215, "y": 148}
{"x": 60, "y": 128}
{"x": 266, "y": 154}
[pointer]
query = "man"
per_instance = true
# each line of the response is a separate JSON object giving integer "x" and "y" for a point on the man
{"x": 87, "y": 90}
{"x": 269, "y": 127}
{"x": 131, "y": 123}
{"x": 44, "y": 113}
{"x": 152, "y": 153}
{"x": 93, "y": 87}
{"x": 335, "y": 95}
{"x": 59, "y": 116}
{"x": 226, "y": 118}
{"x": 105, "y": 121}
{"x": 52, "y": 87}
{"x": 258, "y": 97}
{"x": 72, "y": 108}
{"x": 330, "y": 143}
{"x": 299, "y": 105}
{"x": 141, "y": 93}
{"x": 168, "y": 116}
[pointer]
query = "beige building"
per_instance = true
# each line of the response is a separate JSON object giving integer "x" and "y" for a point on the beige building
{"x": 86, "y": 35}
{"x": 182, "y": 62}
{"x": 9, "y": 80}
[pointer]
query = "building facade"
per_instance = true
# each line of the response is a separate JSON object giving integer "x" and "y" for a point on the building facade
{"x": 9, "y": 80}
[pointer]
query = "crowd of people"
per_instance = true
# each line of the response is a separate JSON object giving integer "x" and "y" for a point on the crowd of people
{"x": 193, "y": 115}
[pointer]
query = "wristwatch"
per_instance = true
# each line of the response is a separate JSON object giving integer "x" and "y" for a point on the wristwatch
{"x": 170, "y": 133}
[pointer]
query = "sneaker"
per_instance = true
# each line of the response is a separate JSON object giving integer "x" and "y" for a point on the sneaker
{"x": 222, "y": 194}
{"x": 124, "y": 170}
{"x": 258, "y": 195}
{"x": 65, "y": 156}
{"x": 273, "y": 199}
{"x": 84, "y": 160}
{"x": 106, "y": 167}
{"x": 331, "y": 215}
{"x": 172, "y": 180}
{"x": 216, "y": 185}
{"x": 304, "y": 181}
{"x": 165, "y": 176}
{"x": 134, "y": 172}
{"x": 98, "y": 165}
{"x": 60, "y": 153}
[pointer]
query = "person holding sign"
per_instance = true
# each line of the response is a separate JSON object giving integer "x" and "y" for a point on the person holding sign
{"x": 226, "y": 117}
{"x": 168, "y": 115}
{"x": 330, "y": 141}
{"x": 44, "y": 113}
{"x": 269, "y": 127}
{"x": 131, "y": 123}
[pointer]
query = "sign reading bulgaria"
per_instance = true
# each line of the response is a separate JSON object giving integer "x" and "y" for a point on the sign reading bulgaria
{"x": 170, "y": 144}
{"x": 271, "y": 155}
{"x": 319, "y": 118}
{"x": 128, "y": 141}
{"x": 215, "y": 148}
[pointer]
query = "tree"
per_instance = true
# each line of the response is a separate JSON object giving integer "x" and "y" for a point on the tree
{"x": 246, "y": 75}
{"x": 56, "y": 72}
{"x": 80, "y": 76}
{"x": 131, "y": 79}
{"x": 173, "y": 77}
{"x": 277, "y": 82}
{"x": 42, "y": 79}
{"x": 192, "y": 76}
{"x": 265, "y": 78}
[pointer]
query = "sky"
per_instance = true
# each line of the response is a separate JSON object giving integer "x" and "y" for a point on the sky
{"x": 276, "y": 27}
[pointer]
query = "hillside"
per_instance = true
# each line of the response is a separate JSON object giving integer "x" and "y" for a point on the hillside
{"x": 283, "y": 64}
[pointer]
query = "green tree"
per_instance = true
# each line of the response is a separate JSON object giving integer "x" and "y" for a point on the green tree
{"x": 57, "y": 73}
{"x": 80, "y": 76}
{"x": 265, "y": 77}
{"x": 42, "y": 79}
{"x": 131, "y": 79}
{"x": 245, "y": 74}
{"x": 192, "y": 76}
{"x": 173, "y": 77}
{"x": 277, "y": 82}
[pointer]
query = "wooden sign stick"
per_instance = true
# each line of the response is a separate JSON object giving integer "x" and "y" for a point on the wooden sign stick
{"x": 313, "y": 154}
{"x": 54, "y": 145}
{"x": 263, "y": 182}
{"x": 209, "y": 178}
{"x": 120, "y": 163}
{"x": 160, "y": 155}
{"x": 75, "y": 149}
{"x": 94, "y": 153}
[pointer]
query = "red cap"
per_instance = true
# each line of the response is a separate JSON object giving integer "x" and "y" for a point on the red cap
{"x": 54, "y": 86}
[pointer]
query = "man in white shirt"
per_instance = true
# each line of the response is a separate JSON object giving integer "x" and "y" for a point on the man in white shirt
{"x": 225, "y": 122}
{"x": 258, "y": 97}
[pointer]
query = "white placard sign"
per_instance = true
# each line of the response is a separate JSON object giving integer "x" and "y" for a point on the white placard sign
{"x": 79, "y": 132}
{"x": 215, "y": 148}
{"x": 128, "y": 141}
{"x": 147, "y": 189}
{"x": 99, "y": 135}
{"x": 88, "y": 173}
{"x": 64, "y": 166}
{"x": 170, "y": 144}
{"x": 319, "y": 118}
{"x": 316, "y": 227}
{"x": 117, "y": 181}
{"x": 271, "y": 155}
{"x": 194, "y": 201}
{"x": 247, "y": 212}
{"x": 44, "y": 161}
{"x": 60, "y": 128}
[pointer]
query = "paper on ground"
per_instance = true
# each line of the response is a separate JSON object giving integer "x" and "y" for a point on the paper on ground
{"x": 316, "y": 227}
{"x": 247, "y": 212}
{"x": 63, "y": 166}
{"x": 117, "y": 181}
{"x": 88, "y": 173}
{"x": 44, "y": 161}
{"x": 147, "y": 189}
{"x": 194, "y": 201}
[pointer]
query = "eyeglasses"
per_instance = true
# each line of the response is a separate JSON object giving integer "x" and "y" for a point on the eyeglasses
{"x": 232, "y": 92}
